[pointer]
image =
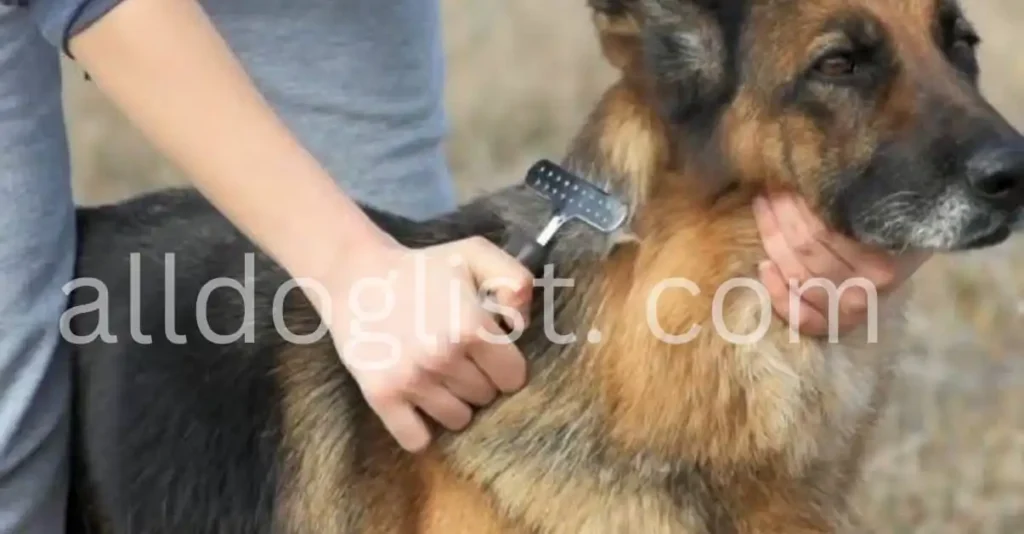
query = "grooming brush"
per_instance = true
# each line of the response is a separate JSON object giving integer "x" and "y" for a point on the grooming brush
{"x": 571, "y": 198}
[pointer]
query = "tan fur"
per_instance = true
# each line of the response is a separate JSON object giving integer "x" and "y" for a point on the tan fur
{"x": 792, "y": 408}
{"x": 310, "y": 444}
{"x": 451, "y": 503}
{"x": 318, "y": 453}
{"x": 648, "y": 436}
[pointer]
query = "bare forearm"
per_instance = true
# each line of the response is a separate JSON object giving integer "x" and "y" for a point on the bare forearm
{"x": 163, "y": 63}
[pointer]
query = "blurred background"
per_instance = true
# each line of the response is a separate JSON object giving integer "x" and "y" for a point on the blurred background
{"x": 949, "y": 457}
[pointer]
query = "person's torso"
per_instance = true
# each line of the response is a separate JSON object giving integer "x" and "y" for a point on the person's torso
{"x": 360, "y": 82}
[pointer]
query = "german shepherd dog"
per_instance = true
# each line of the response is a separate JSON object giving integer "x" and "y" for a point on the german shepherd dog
{"x": 868, "y": 108}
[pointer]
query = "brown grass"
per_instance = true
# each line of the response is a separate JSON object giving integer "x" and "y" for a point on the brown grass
{"x": 950, "y": 456}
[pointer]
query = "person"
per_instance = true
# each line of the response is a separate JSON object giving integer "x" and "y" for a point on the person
{"x": 283, "y": 115}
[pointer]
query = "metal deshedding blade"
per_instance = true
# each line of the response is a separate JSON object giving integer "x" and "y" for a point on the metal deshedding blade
{"x": 571, "y": 198}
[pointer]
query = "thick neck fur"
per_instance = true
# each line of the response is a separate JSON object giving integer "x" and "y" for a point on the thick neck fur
{"x": 623, "y": 147}
{"x": 633, "y": 410}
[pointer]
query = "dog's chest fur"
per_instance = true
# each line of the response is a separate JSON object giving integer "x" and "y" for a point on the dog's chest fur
{"x": 809, "y": 405}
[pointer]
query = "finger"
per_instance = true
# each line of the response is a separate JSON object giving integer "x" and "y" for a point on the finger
{"x": 860, "y": 259}
{"x": 777, "y": 247}
{"x": 405, "y": 425}
{"x": 502, "y": 362}
{"x": 809, "y": 238}
{"x": 469, "y": 383}
{"x": 514, "y": 318}
{"x": 801, "y": 315}
{"x": 441, "y": 405}
{"x": 854, "y": 300}
{"x": 497, "y": 272}
{"x": 777, "y": 290}
{"x": 851, "y": 320}
{"x": 802, "y": 229}
{"x": 810, "y": 318}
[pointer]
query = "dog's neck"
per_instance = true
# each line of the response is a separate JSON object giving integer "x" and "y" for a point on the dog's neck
{"x": 632, "y": 407}
{"x": 624, "y": 147}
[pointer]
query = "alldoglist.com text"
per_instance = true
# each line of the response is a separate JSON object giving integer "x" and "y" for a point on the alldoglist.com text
{"x": 387, "y": 301}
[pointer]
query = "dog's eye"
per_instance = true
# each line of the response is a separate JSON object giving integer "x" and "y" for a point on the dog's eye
{"x": 964, "y": 37}
{"x": 836, "y": 64}
{"x": 961, "y": 47}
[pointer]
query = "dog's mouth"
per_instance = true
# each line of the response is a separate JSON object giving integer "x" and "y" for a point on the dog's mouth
{"x": 987, "y": 235}
{"x": 949, "y": 222}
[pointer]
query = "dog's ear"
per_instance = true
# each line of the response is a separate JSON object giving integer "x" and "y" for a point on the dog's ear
{"x": 679, "y": 44}
{"x": 686, "y": 53}
{"x": 618, "y": 32}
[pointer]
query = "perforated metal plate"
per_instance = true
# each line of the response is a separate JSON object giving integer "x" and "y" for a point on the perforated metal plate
{"x": 575, "y": 198}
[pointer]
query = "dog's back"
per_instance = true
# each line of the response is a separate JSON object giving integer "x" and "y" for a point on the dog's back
{"x": 179, "y": 421}
{"x": 144, "y": 402}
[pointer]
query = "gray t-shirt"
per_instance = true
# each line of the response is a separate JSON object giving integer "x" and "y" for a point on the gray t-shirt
{"x": 361, "y": 83}
{"x": 358, "y": 81}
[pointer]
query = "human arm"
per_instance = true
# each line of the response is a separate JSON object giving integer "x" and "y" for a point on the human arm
{"x": 165, "y": 66}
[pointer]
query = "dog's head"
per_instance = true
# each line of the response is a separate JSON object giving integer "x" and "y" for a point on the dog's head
{"x": 869, "y": 108}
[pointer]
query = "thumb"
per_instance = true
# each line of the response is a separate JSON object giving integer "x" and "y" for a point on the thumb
{"x": 497, "y": 273}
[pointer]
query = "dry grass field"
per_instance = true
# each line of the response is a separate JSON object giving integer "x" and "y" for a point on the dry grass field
{"x": 950, "y": 454}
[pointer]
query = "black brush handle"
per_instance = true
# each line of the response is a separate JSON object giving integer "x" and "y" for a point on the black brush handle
{"x": 527, "y": 251}
{"x": 532, "y": 255}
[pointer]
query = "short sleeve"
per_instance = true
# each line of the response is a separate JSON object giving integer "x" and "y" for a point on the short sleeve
{"x": 59, "y": 20}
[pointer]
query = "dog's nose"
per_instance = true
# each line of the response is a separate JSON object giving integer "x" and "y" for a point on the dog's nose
{"x": 997, "y": 175}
